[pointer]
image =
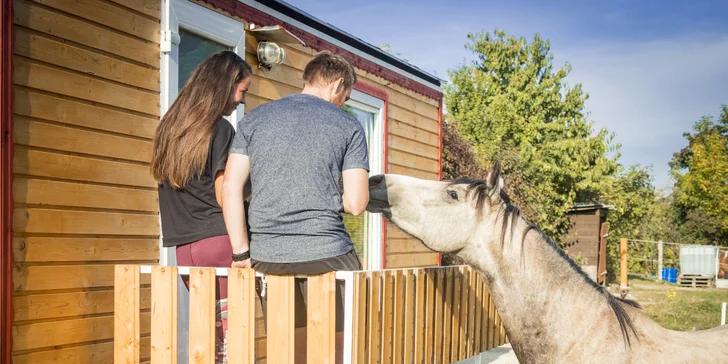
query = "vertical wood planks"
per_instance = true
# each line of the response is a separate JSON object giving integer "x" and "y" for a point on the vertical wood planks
{"x": 429, "y": 315}
{"x": 447, "y": 316}
{"x": 387, "y": 311}
{"x": 374, "y": 321}
{"x": 202, "y": 316}
{"x": 126, "y": 314}
{"x": 484, "y": 320}
{"x": 439, "y": 321}
{"x": 409, "y": 315}
{"x": 321, "y": 324}
{"x": 478, "y": 307}
{"x": 464, "y": 310}
{"x": 398, "y": 319}
{"x": 280, "y": 319}
{"x": 360, "y": 318}
{"x": 164, "y": 315}
{"x": 456, "y": 300}
{"x": 420, "y": 312}
{"x": 491, "y": 325}
{"x": 241, "y": 316}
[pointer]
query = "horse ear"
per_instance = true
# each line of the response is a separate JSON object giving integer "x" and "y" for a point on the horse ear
{"x": 495, "y": 180}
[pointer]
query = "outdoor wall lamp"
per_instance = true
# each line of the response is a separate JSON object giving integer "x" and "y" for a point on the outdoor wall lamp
{"x": 269, "y": 51}
{"x": 270, "y": 54}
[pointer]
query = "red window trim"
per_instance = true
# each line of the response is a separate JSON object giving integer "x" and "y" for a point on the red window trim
{"x": 384, "y": 96}
{"x": 439, "y": 161}
{"x": 6, "y": 181}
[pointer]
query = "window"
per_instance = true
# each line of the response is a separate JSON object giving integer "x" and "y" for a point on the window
{"x": 366, "y": 229}
{"x": 193, "y": 49}
{"x": 190, "y": 33}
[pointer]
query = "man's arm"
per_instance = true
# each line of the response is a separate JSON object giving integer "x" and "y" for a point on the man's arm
{"x": 237, "y": 172}
{"x": 356, "y": 190}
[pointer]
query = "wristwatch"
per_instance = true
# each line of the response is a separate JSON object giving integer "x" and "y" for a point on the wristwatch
{"x": 242, "y": 256}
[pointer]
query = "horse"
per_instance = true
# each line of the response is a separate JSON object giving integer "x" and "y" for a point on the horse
{"x": 552, "y": 311}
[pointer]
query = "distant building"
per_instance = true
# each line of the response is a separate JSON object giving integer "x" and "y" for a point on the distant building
{"x": 587, "y": 238}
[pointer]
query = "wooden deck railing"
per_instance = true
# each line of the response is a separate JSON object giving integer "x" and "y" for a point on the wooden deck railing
{"x": 422, "y": 315}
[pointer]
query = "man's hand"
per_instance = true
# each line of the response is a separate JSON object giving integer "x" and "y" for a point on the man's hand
{"x": 241, "y": 264}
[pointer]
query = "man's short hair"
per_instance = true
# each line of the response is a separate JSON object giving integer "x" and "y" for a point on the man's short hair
{"x": 325, "y": 67}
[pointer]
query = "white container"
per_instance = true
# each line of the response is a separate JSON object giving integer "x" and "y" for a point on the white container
{"x": 721, "y": 283}
{"x": 699, "y": 260}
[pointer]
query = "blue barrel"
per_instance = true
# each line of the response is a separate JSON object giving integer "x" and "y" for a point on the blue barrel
{"x": 669, "y": 275}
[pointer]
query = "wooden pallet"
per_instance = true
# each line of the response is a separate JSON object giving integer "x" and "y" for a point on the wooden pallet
{"x": 695, "y": 281}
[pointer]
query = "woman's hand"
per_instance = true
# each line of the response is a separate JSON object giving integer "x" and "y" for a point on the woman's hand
{"x": 241, "y": 264}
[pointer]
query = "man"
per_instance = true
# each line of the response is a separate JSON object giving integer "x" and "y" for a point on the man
{"x": 299, "y": 152}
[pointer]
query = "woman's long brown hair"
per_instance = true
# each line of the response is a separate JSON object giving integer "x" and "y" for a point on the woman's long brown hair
{"x": 182, "y": 138}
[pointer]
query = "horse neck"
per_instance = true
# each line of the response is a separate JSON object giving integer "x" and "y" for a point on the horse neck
{"x": 545, "y": 305}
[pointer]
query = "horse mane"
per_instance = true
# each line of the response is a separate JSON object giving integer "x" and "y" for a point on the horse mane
{"x": 510, "y": 214}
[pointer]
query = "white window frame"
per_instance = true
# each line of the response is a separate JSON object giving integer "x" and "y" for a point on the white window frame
{"x": 375, "y": 105}
{"x": 183, "y": 14}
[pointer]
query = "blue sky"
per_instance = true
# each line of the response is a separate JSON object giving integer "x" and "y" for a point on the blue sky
{"x": 651, "y": 68}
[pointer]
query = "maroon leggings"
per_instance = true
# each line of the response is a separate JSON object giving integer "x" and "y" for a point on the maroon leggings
{"x": 211, "y": 252}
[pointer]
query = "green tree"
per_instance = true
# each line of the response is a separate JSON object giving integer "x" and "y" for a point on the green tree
{"x": 701, "y": 181}
{"x": 663, "y": 223}
{"x": 632, "y": 194}
{"x": 513, "y": 106}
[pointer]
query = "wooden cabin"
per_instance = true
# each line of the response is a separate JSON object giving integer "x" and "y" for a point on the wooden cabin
{"x": 83, "y": 86}
{"x": 586, "y": 240}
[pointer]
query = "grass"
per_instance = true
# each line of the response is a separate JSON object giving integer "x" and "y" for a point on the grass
{"x": 678, "y": 308}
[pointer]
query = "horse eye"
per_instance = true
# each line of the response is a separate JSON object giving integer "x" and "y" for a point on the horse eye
{"x": 453, "y": 195}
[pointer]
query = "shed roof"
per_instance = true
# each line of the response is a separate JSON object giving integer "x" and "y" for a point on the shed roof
{"x": 584, "y": 206}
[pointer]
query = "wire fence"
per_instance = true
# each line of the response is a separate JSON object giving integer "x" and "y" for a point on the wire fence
{"x": 644, "y": 256}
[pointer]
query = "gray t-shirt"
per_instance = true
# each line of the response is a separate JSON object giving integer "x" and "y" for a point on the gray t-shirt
{"x": 298, "y": 147}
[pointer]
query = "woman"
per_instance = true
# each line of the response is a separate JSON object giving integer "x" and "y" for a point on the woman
{"x": 189, "y": 155}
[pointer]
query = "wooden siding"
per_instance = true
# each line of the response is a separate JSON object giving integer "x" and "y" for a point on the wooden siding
{"x": 86, "y": 104}
{"x": 583, "y": 236}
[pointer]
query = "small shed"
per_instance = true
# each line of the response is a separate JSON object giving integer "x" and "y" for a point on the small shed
{"x": 83, "y": 85}
{"x": 587, "y": 238}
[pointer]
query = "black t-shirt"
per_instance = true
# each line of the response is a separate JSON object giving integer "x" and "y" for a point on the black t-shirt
{"x": 192, "y": 213}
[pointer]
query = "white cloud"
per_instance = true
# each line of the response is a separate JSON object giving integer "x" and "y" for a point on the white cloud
{"x": 650, "y": 93}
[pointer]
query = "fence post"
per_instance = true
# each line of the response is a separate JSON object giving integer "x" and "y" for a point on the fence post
{"x": 321, "y": 320}
{"x": 126, "y": 314}
{"x": 659, "y": 259}
{"x": 241, "y": 312}
{"x": 280, "y": 323}
{"x": 722, "y": 315}
{"x": 202, "y": 316}
{"x": 623, "y": 262}
{"x": 164, "y": 315}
